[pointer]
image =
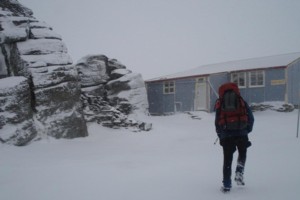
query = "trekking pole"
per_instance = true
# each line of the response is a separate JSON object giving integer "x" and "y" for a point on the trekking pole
{"x": 213, "y": 89}
{"x": 216, "y": 141}
{"x": 298, "y": 120}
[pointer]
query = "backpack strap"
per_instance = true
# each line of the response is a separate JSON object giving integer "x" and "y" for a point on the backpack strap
{"x": 217, "y": 104}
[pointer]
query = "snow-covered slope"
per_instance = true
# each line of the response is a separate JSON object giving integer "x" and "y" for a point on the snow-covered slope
{"x": 177, "y": 160}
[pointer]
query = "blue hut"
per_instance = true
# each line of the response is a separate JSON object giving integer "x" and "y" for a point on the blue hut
{"x": 272, "y": 78}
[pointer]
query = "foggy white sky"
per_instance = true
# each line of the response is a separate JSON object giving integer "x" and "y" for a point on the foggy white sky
{"x": 160, "y": 37}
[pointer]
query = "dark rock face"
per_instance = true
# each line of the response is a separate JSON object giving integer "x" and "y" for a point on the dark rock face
{"x": 30, "y": 49}
{"x": 15, "y": 8}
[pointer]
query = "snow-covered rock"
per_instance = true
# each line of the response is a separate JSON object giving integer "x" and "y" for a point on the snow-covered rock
{"x": 14, "y": 8}
{"x": 50, "y": 103}
{"x": 130, "y": 87}
{"x": 272, "y": 105}
{"x": 112, "y": 94}
{"x": 42, "y": 94}
{"x": 37, "y": 33}
{"x": 16, "y": 115}
{"x": 117, "y": 73}
{"x": 92, "y": 70}
{"x": 41, "y": 46}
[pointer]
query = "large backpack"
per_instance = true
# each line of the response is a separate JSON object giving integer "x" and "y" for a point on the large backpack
{"x": 231, "y": 108}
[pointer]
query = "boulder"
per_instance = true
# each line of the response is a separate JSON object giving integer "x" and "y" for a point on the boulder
{"x": 43, "y": 94}
{"x": 92, "y": 70}
{"x": 110, "y": 93}
{"x": 50, "y": 103}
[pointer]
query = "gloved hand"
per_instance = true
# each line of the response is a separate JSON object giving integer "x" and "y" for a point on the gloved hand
{"x": 249, "y": 128}
{"x": 248, "y": 144}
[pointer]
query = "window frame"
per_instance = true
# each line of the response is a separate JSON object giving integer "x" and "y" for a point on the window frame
{"x": 257, "y": 74}
{"x": 169, "y": 87}
{"x": 239, "y": 75}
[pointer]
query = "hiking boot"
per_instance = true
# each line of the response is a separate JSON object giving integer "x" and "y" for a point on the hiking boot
{"x": 225, "y": 189}
{"x": 226, "y": 186}
{"x": 239, "y": 178}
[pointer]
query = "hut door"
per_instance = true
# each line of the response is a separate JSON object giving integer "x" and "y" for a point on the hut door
{"x": 201, "y": 94}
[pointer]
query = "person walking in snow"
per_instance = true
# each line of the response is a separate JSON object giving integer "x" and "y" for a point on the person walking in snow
{"x": 233, "y": 121}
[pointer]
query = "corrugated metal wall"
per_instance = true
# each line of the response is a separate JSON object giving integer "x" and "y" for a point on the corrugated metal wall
{"x": 274, "y": 89}
{"x": 185, "y": 94}
{"x": 181, "y": 100}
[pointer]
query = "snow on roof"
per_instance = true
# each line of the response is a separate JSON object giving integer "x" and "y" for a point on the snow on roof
{"x": 239, "y": 65}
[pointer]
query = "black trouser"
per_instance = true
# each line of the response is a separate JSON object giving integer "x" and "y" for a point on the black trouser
{"x": 230, "y": 145}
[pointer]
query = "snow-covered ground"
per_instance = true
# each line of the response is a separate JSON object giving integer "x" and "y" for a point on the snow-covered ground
{"x": 177, "y": 160}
